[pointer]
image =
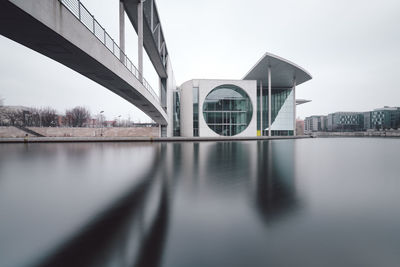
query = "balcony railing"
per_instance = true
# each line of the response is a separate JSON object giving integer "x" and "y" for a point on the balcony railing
{"x": 87, "y": 19}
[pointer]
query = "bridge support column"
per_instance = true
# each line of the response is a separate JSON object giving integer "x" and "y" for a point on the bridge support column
{"x": 294, "y": 106}
{"x": 140, "y": 39}
{"x": 122, "y": 31}
{"x": 261, "y": 109}
{"x": 269, "y": 101}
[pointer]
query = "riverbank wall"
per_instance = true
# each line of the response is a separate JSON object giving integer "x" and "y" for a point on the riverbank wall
{"x": 142, "y": 139}
{"x": 394, "y": 133}
{"x": 13, "y": 132}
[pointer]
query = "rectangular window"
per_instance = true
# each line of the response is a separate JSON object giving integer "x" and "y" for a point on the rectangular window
{"x": 218, "y": 117}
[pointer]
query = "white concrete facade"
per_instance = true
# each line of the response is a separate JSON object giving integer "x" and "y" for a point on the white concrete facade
{"x": 171, "y": 87}
{"x": 204, "y": 88}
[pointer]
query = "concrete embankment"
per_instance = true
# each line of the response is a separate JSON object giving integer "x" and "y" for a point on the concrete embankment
{"x": 14, "y": 132}
{"x": 141, "y": 139}
{"x": 394, "y": 133}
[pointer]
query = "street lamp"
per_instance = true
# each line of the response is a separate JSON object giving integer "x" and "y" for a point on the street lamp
{"x": 101, "y": 122}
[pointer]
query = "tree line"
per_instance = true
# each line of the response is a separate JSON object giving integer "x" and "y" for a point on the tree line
{"x": 44, "y": 117}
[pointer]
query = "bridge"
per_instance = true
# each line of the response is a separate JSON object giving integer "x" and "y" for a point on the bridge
{"x": 65, "y": 31}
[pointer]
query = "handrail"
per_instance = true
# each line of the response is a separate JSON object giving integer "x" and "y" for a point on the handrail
{"x": 87, "y": 19}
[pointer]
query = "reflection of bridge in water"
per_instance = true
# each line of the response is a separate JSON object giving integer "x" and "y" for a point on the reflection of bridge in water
{"x": 134, "y": 231}
{"x": 145, "y": 204}
{"x": 67, "y": 32}
{"x": 131, "y": 232}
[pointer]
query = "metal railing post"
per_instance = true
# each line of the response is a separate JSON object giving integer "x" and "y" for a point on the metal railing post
{"x": 79, "y": 10}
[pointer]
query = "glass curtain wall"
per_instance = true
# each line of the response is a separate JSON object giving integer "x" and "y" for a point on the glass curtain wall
{"x": 278, "y": 98}
{"x": 227, "y": 110}
{"x": 195, "y": 111}
{"x": 177, "y": 114}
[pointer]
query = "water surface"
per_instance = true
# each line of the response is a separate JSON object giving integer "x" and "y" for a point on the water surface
{"x": 310, "y": 202}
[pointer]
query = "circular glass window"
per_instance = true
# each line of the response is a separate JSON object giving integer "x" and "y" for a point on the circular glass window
{"x": 227, "y": 110}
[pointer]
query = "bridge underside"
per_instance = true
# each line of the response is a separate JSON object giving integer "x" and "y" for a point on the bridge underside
{"x": 50, "y": 29}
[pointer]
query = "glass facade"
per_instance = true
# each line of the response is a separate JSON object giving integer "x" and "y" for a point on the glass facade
{"x": 195, "y": 111}
{"x": 278, "y": 99}
{"x": 282, "y": 133}
{"x": 227, "y": 110}
{"x": 177, "y": 114}
{"x": 345, "y": 121}
{"x": 386, "y": 118}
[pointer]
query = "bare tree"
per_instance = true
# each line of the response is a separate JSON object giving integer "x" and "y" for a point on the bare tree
{"x": 67, "y": 119}
{"x": 33, "y": 119}
{"x": 77, "y": 116}
{"x": 20, "y": 116}
{"x": 2, "y": 112}
{"x": 12, "y": 116}
{"x": 48, "y": 117}
{"x": 9, "y": 117}
{"x": 3, "y": 121}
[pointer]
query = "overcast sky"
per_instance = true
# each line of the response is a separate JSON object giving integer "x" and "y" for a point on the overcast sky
{"x": 350, "y": 47}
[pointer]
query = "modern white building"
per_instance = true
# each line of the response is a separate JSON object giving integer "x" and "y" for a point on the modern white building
{"x": 263, "y": 103}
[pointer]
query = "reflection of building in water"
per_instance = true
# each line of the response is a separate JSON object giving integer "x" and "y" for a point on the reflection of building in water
{"x": 275, "y": 191}
{"x": 263, "y": 171}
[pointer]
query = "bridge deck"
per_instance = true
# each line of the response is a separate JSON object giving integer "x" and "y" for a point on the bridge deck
{"x": 49, "y": 28}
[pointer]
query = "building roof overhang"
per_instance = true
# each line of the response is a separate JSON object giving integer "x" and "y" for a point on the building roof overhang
{"x": 283, "y": 72}
{"x": 302, "y": 101}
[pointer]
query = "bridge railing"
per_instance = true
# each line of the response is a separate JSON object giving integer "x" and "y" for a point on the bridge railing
{"x": 87, "y": 19}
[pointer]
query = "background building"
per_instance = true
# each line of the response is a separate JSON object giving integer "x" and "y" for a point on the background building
{"x": 367, "y": 120}
{"x": 315, "y": 123}
{"x": 385, "y": 118}
{"x": 345, "y": 121}
{"x": 299, "y": 127}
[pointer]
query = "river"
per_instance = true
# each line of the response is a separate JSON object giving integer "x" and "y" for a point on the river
{"x": 306, "y": 202}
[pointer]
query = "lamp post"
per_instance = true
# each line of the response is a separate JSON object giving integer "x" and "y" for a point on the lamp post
{"x": 101, "y": 122}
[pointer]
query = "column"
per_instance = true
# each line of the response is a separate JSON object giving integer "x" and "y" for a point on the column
{"x": 140, "y": 40}
{"x": 122, "y": 31}
{"x": 269, "y": 101}
{"x": 261, "y": 109}
{"x": 294, "y": 106}
{"x": 152, "y": 15}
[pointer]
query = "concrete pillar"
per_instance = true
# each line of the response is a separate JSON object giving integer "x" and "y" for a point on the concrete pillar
{"x": 122, "y": 31}
{"x": 261, "y": 109}
{"x": 152, "y": 15}
{"x": 294, "y": 106}
{"x": 140, "y": 40}
{"x": 269, "y": 101}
